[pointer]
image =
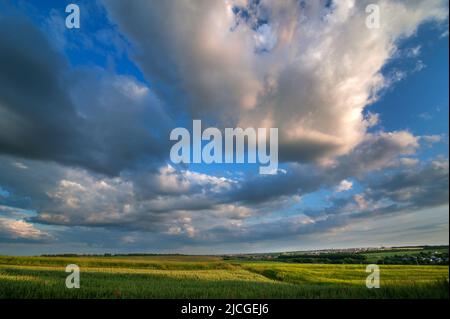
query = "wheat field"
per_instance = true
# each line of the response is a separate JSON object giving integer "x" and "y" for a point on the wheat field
{"x": 211, "y": 277}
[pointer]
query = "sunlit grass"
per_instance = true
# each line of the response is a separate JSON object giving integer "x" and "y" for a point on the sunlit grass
{"x": 347, "y": 274}
{"x": 194, "y": 277}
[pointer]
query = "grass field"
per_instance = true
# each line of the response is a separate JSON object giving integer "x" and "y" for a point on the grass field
{"x": 211, "y": 277}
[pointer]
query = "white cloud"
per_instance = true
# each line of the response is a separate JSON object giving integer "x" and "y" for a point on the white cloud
{"x": 20, "y": 229}
{"x": 321, "y": 66}
{"x": 344, "y": 186}
{"x": 431, "y": 139}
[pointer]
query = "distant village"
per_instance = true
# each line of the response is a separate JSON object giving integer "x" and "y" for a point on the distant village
{"x": 419, "y": 255}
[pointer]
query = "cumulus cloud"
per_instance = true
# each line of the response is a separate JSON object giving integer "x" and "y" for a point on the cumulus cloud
{"x": 77, "y": 197}
{"x": 20, "y": 230}
{"x": 319, "y": 69}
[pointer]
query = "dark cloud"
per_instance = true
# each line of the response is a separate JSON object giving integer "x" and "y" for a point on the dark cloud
{"x": 377, "y": 152}
{"x": 37, "y": 118}
{"x": 395, "y": 191}
{"x": 85, "y": 118}
{"x": 415, "y": 188}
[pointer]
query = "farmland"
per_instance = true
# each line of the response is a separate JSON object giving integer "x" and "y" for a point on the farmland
{"x": 417, "y": 255}
{"x": 212, "y": 277}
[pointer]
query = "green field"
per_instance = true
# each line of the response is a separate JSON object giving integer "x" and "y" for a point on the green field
{"x": 375, "y": 257}
{"x": 211, "y": 277}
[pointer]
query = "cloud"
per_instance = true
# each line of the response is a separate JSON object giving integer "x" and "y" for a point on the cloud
{"x": 399, "y": 193}
{"x": 210, "y": 215}
{"x": 432, "y": 139}
{"x": 147, "y": 200}
{"x": 377, "y": 152}
{"x": 308, "y": 69}
{"x": 20, "y": 230}
{"x": 426, "y": 186}
{"x": 80, "y": 117}
{"x": 396, "y": 191}
{"x": 26, "y": 121}
{"x": 344, "y": 186}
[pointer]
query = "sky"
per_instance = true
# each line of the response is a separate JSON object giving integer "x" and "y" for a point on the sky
{"x": 86, "y": 114}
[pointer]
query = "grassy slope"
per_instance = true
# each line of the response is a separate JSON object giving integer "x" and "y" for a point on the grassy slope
{"x": 210, "y": 277}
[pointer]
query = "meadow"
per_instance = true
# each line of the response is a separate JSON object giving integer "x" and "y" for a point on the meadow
{"x": 211, "y": 277}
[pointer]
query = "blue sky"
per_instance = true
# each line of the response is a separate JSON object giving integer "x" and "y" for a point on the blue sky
{"x": 86, "y": 115}
{"x": 425, "y": 92}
